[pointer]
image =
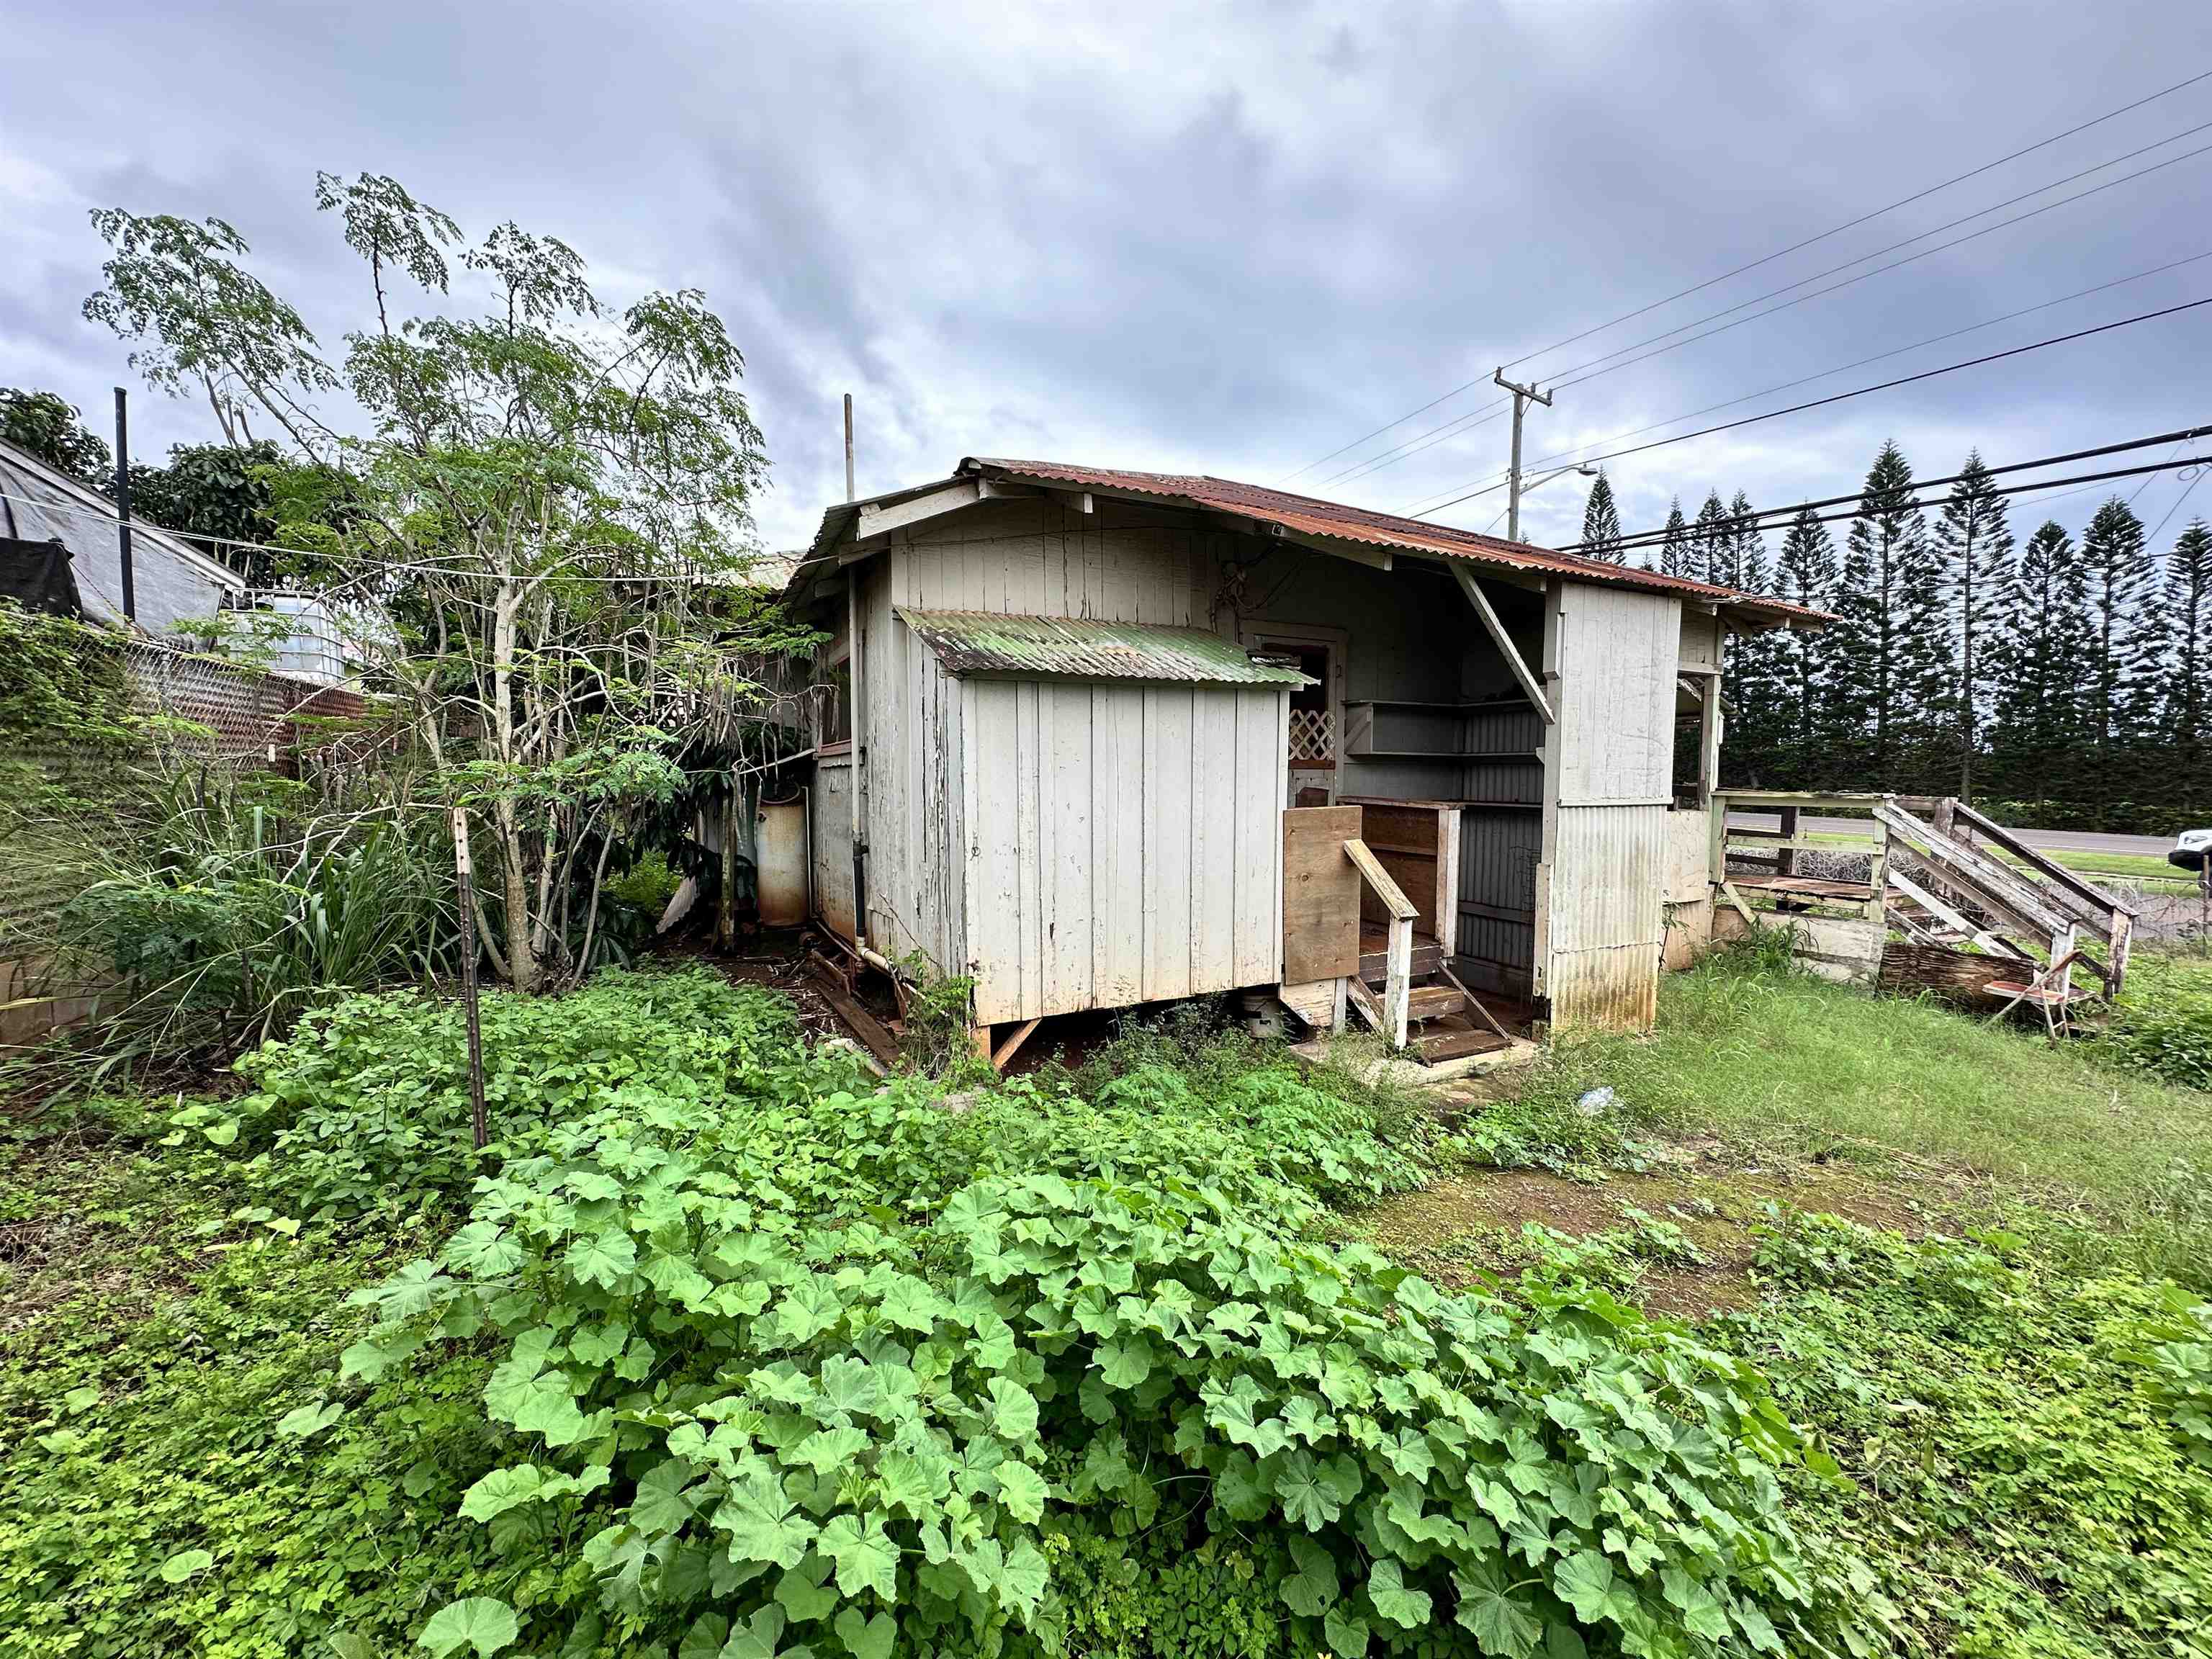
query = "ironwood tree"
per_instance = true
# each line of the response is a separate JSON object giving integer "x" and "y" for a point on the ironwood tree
{"x": 1601, "y": 523}
{"x": 2039, "y": 646}
{"x": 546, "y": 524}
{"x": 1973, "y": 546}
{"x": 1676, "y": 558}
{"x": 2119, "y": 669}
{"x": 2187, "y": 626}
{"x": 1892, "y": 653}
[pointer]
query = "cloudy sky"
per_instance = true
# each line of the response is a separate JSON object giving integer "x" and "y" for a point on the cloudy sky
{"x": 1222, "y": 238}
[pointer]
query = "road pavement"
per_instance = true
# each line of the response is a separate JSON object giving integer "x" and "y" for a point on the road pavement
{"x": 2056, "y": 840}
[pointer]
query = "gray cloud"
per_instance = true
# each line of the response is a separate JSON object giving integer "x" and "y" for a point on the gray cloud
{"x": 1227, "y": 239}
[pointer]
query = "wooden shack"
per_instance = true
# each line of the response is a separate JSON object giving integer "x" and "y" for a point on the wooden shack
{"x": 1098, "y": 738}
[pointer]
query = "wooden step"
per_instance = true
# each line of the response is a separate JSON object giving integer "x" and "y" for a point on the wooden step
{"x": 1433, "y": 1002}
{"x": 1375, "y": 965}
{"x": 1453, "y": 1045}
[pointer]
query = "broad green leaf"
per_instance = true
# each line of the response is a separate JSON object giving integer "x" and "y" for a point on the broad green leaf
{"x": 1125, "y": 1364}
{"x": 1502, "y": 1625}
{"x": 826, "y": 1450}
{"x": 304, "y": 1422}
{"x": 1584, "y": 1581}
{"x": 1305, "y": 1496}
{"x": 867, "y": 1557}
{"x": 661, "y": 1505}
{"x": 603, "y": 1258}
{"x": 1313, "y": 1589}
{"x": 912, "y": 1305}
{"x": 1022, "y": 1490}
{"x": 352, "y": 1644}
{"x": 867, "y": 1638}
{"x": 1345, "y": 1631}
{"x": 805, "y": 1311}
{"x": 804, "y": 1592}
{"x": 763, "y": 1524}
{"x": 185, "y": 1563}
{"x": 1025, "y": 1578}
{"x": 1409, "y": 1609}
{"x": 1701, "y": 1610}
{"x": 483, "y": 1623}
{"x": 503, "y": 1490}
{"x": 1014, "y": 1409}
{"x": 851, "y": 1386}
{"x": 760, "y": 1637}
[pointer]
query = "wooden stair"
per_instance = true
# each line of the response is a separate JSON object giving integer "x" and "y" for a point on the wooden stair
{"x": 1443, "y": 1020}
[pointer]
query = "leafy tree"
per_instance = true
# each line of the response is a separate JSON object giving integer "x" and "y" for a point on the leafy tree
{"x": 1892, "y": 653}
{"x": 1806, "y": 575}
{"x": 1974, "y": 542}
{"x": 2188, "y": 626}
{"x": 545, "y": 484}
{"x": 41, "y": 423}
{"x": 2040, "y": 646}
{"x": 2118, "y": 678}
{"x": 1601, "y": 523}
{"x": 1676, "y": 556}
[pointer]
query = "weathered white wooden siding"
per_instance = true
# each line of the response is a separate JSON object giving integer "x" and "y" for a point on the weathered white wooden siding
{"x": 1610, "y": 660}
{"x": 830, "y": 826}
{"x": 1122, "y": 562}
{"x": 1124, "y": 841}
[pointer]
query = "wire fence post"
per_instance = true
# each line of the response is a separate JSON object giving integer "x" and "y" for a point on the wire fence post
{"x": 477, "y": 1126}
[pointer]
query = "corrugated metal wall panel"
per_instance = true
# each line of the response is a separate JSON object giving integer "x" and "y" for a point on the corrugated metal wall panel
{"x": 1612, "y": 748}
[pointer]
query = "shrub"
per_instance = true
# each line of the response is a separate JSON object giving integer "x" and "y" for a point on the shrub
{"x": 367, "y": 1104}
{"x": 796, "y": 1389}
{"x": 2163, "y": 1022}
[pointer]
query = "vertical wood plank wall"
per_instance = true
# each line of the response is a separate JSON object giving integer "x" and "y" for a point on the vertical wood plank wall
{"x": 1128, "y": 843}
{"x": 1608, "y": 764}
{"x": 830, "y": 827}
{"x": 1122, "y": 562}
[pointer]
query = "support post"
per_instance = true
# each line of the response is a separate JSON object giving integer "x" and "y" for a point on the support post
{"x": 726, "y": 900}
{"x": 123, "y": 509}
{"x": 479, "y": 1131}
{"x": 1878, "y": 873}
{"x": 848, "y": 446}
{"x": 1398, "y": 981}
{"x": 1786, "y": 861}
{"x": 1522, "y": 396}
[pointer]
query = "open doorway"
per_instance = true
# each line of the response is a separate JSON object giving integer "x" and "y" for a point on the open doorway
{"x": 1316, "y": 721}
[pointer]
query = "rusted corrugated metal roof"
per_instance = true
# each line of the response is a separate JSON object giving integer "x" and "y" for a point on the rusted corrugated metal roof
{"x": 973, "y": 644}
{"x": 1310, "y": 516}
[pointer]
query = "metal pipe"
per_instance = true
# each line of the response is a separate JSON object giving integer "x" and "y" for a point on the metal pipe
{"x": 123, "y": 505}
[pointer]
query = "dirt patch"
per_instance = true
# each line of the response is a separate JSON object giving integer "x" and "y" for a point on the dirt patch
{"x": 1698, "y": 1195}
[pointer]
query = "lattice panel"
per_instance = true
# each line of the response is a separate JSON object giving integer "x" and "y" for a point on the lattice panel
{"x": 1313, "y": 737}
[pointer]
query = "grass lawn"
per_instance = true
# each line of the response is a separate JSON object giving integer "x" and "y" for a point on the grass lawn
{"x": 1798, "y": 1067}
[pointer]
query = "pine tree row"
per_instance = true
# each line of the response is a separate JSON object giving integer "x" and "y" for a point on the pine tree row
{"x": 2068, "y": 684}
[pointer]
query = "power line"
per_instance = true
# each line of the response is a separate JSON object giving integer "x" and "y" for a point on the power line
{"x": 1852, "y": 224}
{"x": 1750, "y": 520}
{"x": 2175, "y": 508}
{"x": 354, "y": 561}
{"x": 1388, "y": 459}
{"x": 1835, "y": 230}
{"x": 1858, "y": 392}
{"x": 1600, "y": 365}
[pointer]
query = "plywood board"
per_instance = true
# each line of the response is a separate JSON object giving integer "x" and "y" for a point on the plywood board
{"x": 1320, "y": 894}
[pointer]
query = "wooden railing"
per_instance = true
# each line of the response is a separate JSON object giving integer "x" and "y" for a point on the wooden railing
{"x": 1398, "y": 962}
{"x": 1948, "y": 879}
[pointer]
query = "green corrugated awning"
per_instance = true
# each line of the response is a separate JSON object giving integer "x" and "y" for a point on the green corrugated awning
{"x": 982, "y": 645}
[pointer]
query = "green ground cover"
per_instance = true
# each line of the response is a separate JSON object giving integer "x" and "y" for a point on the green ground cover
{"x": 723, "y": 1349}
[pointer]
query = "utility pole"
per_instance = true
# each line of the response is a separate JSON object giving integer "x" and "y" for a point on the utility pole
{"x": 479, "y": 1132}
{"x": 1522, "y": 396}
{"x": 123, "y": 506}
{"x": 848, "y": 446}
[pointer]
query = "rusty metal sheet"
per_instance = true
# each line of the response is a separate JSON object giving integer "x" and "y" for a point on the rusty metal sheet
{"x": 985, "y": 645}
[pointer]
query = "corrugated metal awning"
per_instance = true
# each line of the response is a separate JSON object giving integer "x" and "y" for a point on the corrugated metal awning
{"x": 984, "y": 645}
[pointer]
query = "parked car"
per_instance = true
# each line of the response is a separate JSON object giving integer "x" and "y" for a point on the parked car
{"x": 2191, "y": 851}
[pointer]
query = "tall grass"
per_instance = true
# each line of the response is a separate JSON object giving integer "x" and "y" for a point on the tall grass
{"x": 225, "y": 918}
